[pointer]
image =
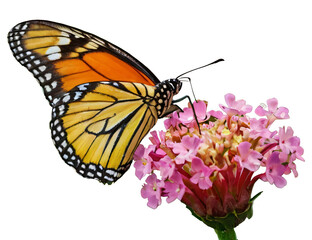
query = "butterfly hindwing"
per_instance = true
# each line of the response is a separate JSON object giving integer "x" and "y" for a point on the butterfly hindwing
{"x": 96, "y": 127}
{"x": 63, "y": 57}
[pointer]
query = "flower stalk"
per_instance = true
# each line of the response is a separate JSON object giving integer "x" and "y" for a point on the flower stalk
{"x": 228, "y": 234}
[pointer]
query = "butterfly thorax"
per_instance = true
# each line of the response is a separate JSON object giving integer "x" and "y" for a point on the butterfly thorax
{"x": 164, "y": 93}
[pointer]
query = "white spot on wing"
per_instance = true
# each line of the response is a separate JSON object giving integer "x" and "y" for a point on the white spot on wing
{"x": 64, "y": 143}
{"x": 61, "y": 108}
{"x": 70, "y": 150}
{"x": 66, "y": 98}
{"x": 48, "y": 76}
{"x": 42, "y": 68}
{"x": 24, "y": 27}
{"x": 92, "y": 167}
{"x": 41, "y": 79}
{"x": 108, "y": 178}
{"x": 18, "y": 27}
{"x": 55, "y": 101}
{"x": 54, "y": 56}
{"x": 65, "y": 34}
{"x": 82, "y": 87}
{"x": 54, "y": 84}
{"x": 47, "y": 88}
{"x": 53, "y": 49}
{"x": 63, "y": 41}
{"x": 77, "y": 95}
{"x": 90, "y": 174}
{"x": 110, "y": 172}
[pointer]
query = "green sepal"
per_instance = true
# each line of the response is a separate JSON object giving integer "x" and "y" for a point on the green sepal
{"x": 231, "y": 220}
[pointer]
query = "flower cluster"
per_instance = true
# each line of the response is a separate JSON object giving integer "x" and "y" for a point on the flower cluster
{"x": 210, "y": 162}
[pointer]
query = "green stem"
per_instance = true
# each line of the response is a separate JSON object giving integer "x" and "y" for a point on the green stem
{"x": 228, "y": 234}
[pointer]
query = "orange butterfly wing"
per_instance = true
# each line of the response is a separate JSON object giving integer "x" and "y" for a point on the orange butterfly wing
{"x": 63, "y": 57}
{"x": 102, "y": 98}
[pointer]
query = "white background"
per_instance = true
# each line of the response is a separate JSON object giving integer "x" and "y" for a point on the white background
{"x": 267, "y": 48}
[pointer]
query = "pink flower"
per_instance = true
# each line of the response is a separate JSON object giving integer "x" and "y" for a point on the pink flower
{"x": 173, "y": 121}
{"x": 274, "y": 171}
{"x": 166, "y": 167}
{"x": 258, "y": 128}
{"x": 201, "y": 174}
{"x": 299, "y": 152}
{"x": 213, "y": 171}
{"x": 174, "y": 187}
{"x": 216, "y": 114}
{"x": 238, "y": 107}
{"x": 248, "y": 158}
{"x": 187, "y": 149}
{"x": 288, "y": 161}
{"x": 152, "y": 190}
{"x": 143, "y": 161}
{"x": 157, "y": 140}
{"x": 289, "y": 143}
{"x": 187, "y": 116}
{"x": 273, "y": 110}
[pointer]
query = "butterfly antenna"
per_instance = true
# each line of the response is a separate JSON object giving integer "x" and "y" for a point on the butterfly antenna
{"x": 219, "y": 60}
{"x": 189, "y": 80}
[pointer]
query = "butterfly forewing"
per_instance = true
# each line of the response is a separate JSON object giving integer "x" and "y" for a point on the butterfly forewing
{"x": 62, "y": 57}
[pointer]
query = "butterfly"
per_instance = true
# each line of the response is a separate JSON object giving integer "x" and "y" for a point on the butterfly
{"x": 104, "y": 101}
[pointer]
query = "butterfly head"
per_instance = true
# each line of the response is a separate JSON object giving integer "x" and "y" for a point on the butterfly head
{"x": 176, "y": 85}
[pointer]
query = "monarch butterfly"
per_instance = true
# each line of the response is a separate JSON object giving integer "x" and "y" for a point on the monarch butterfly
{"x": 104, "y": 101}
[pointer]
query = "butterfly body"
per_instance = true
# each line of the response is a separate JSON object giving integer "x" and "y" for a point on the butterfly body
{"x": 103, "y": 100}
